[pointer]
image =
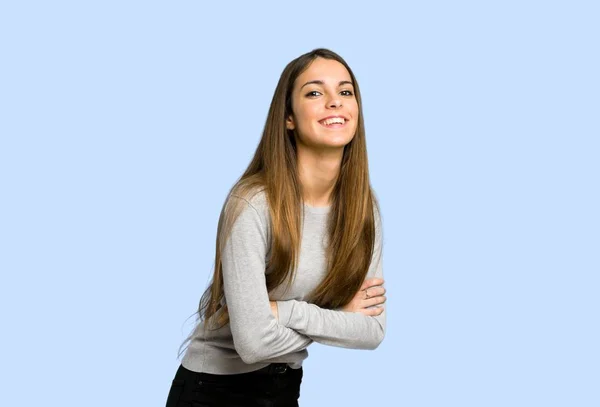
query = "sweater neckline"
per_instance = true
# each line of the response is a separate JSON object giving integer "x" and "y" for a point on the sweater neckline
{"x": 317, "y": 209}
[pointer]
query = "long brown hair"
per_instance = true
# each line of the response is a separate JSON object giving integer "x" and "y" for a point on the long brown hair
{"x": 273, "y": 169}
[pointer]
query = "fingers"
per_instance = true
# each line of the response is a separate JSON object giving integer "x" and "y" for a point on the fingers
{"x": 380, "y": 299}
{"x": 370, "y": 282}
{"x": 375, "y": 291}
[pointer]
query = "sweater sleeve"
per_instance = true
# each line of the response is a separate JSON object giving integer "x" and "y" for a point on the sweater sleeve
{"x": 257, "y": 335}
{"x": 337, "y": 327}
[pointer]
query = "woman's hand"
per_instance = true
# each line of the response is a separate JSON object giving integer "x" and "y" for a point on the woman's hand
{"x": 369, "y": 294}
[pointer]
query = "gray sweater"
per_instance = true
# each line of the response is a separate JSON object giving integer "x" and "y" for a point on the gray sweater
{"x": 254, "y": 337}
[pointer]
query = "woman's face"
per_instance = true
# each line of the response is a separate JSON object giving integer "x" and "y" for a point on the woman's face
{"x": 325, "y": 110}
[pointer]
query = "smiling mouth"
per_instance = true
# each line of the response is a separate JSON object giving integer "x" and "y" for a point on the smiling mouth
{"x": 334, "y": 122}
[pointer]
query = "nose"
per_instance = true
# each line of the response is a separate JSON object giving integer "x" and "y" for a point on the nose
{"x": 335, "y": 102}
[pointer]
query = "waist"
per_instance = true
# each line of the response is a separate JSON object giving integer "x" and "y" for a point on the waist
{"x": 271, "y": 370}
{"x": 221, "y": 358}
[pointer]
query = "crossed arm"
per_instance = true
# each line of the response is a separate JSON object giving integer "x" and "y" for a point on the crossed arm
{"x": 258, "y": 334}
{"x": 359, "y": 325}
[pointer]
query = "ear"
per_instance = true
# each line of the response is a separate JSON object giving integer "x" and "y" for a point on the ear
{"x": 289, "y": 123}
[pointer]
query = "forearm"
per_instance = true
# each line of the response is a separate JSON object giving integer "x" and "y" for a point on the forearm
{"x": 262, "y": 337}
{"x": 333, "y": 327}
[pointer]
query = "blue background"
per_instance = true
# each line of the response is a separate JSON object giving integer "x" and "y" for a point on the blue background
{"x": 124, "y": 124}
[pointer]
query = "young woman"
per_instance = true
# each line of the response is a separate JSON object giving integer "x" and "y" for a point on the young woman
{"x": 298, "y": 251}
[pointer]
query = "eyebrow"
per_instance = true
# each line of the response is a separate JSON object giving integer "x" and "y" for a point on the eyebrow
{"x": 320, "y": 82}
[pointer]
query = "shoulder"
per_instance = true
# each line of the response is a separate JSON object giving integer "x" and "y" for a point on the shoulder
{"x": 251, "y": 205}
{"x": 255, "y": 198}
{"x": 378, "y": 221}
{"x": 376, "y": 210}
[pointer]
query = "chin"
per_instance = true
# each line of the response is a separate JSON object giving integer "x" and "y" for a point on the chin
{"x": 327, "y": 140}
{"x": 339, "y": 144}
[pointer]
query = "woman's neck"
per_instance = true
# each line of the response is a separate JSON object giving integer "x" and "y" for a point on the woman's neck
{"x": 318, "y": 173}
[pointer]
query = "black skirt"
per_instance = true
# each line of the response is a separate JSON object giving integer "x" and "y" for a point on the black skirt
{"x": 276, "y": 385}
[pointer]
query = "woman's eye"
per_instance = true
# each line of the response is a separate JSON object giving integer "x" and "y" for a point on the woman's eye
{"x": 315, "y": 93}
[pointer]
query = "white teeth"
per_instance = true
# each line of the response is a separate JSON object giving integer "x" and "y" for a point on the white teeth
{"x": 339, "y": 120}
